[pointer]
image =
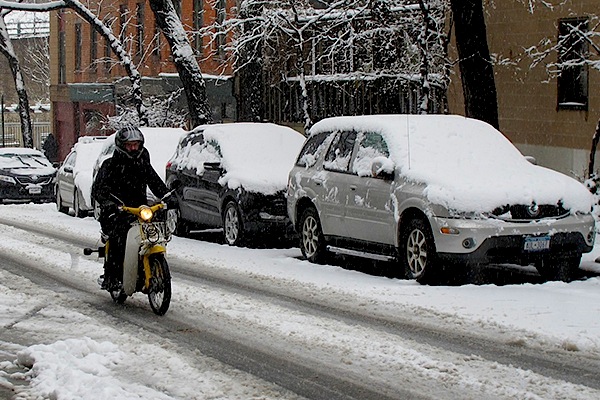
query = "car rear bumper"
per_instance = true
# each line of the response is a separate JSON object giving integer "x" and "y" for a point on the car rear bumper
{"x": 494, "y": 241}
{"x": 268, "y": 223}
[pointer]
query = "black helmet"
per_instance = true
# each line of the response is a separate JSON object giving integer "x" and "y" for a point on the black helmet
{"x": 129, "y": 134}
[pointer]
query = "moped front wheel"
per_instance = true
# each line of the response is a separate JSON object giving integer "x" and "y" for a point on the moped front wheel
{"x": 159, "y": 293}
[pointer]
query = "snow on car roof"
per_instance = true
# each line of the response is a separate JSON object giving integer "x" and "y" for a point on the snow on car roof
{"x": 258, "y": 156}
{"x": 87, "y": 153}
{"x": 465, "y": 163}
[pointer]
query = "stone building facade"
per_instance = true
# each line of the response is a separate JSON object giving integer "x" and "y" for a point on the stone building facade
{"x": 549, "y": 117}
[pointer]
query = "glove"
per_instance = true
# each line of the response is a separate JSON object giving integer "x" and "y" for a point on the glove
{"x": 171, "y": 202}
{"x": 108, "y": 208}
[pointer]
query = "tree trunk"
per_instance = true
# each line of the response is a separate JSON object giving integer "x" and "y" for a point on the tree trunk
{"x": 6, "y": 48}
{"x": 183, "y": 56}
{"x": 475, "y": 64}
{"x": 249, "y": 77}
{"x": 424, "y": 69}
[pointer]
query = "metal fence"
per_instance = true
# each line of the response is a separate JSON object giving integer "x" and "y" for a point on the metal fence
{"x": 11, "y": 134}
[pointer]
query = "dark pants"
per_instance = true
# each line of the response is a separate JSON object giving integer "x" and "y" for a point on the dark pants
{"x": 116, "y": 227}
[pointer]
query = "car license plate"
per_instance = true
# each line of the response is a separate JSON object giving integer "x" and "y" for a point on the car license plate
{"x": 537, "y": 243}
{"x": 35, "y": 190}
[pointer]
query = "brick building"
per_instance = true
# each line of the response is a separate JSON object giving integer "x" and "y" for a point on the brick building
{"x": 87, "y": 84}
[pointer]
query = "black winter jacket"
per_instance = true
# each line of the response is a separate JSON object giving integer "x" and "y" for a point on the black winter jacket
{"x": 127, "y": 179}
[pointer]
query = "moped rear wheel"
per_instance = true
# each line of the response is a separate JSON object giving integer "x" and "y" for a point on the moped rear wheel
{"x": 159, "y": 294}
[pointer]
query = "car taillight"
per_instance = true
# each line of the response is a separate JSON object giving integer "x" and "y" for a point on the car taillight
{"x": 168, "y": 166}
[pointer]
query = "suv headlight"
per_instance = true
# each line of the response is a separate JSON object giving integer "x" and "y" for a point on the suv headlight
{"x": 467, "y": 215}
{"x": 8, "y": 179}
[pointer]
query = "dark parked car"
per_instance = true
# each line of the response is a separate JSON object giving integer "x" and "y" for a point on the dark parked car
{"x": 233, "y": 176}
{"x": 74, "y": 177}
{"x": 26, "y": 174}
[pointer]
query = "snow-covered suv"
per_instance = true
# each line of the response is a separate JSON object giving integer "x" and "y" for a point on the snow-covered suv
{"x": 436, "y": 193}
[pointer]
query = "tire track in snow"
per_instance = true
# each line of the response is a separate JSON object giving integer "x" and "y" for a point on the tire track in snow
{"x": 570, "y": 367}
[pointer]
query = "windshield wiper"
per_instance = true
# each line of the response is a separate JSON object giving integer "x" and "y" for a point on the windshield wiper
{"x": 22, "y": 161}
{"x": 39, "y": 162}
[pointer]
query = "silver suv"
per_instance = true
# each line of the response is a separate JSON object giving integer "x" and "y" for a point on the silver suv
{"x": 436, "y": 193}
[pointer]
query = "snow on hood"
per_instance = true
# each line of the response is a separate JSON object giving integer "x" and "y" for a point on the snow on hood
{"x": 25, "y": 161}
{"x": 466, "y": 164}
{"x": 257, "y": 156}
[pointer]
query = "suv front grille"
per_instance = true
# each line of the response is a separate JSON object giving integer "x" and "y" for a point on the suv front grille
{"x": 521, "y": 212}
{"x": 42, "y": 180}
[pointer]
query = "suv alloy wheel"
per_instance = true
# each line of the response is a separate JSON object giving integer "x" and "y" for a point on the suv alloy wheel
{"x": 312, "y": 242}
{"x": 417, "y": 252}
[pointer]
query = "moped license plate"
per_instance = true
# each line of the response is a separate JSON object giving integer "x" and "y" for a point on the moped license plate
{"x": 536, "y": 243}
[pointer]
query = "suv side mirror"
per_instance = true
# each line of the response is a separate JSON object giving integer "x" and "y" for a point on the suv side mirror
{"x": 531, "y": 159}
{"x": 212, "y": 166}
{"x": 383, "y": 167}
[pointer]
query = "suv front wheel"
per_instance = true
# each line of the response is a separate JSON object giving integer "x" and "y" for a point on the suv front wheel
{"x": 312, "y": 242}
{"x": 417, "y": 252}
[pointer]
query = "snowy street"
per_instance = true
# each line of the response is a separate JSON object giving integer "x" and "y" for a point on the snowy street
{"x": 249, "y": 323}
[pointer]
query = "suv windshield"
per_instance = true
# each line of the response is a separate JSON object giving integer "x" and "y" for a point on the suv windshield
{"x": 311, "y": 150}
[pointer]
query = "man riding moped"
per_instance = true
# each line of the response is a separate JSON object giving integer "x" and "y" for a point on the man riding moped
{"x": 122, "y": 180}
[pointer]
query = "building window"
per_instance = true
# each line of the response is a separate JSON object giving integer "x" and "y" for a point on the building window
{"x": 572, "y": 54}
{"x": 221, "y": 12}
{"x": 107, "y": 53}
{"x": 198, "y": 24}
{"x": 78, "y": 44}
{"x": 157, "y": 40}
{"x": 93, "y": 48}
{"x": 139, "y": 35}
{"x": 62, "y": 61}
{"x": 123, "y": 15}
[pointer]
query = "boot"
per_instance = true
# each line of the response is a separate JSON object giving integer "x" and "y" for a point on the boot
{"x": 109, "y": 280}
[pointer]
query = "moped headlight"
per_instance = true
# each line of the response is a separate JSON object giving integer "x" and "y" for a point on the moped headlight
{"x": 146, "y": 213}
